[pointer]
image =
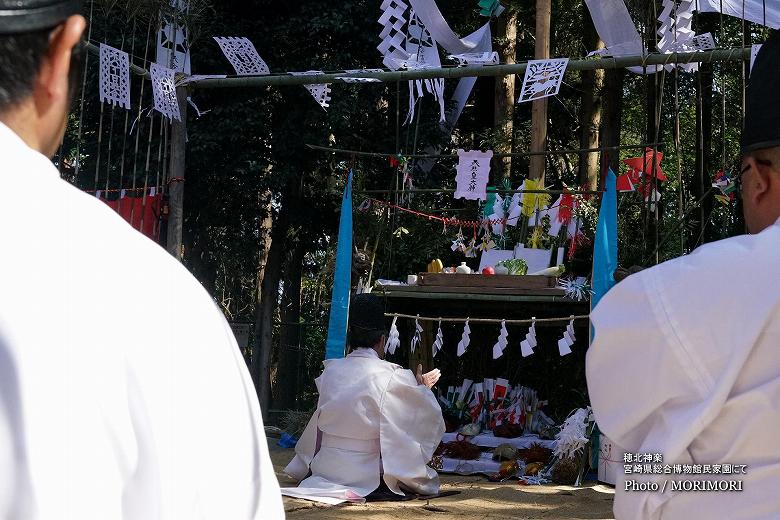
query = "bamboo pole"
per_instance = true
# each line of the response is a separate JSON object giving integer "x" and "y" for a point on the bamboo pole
{"x": 718, "y": 55}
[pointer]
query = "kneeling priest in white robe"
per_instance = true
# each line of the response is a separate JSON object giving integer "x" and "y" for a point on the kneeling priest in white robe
{"x": 375, "y": 422}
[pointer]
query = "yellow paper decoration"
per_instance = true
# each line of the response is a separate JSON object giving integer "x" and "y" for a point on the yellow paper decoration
{"x": 534, "y": 201}
{"x": 535, "y": 242}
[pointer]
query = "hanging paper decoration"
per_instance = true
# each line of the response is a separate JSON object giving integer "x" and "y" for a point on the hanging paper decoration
{"x": 473, "y": 171}
{"x": 241, "y": 53}
{"x": 393, "y": 35}
{"x": 320, "y": 92}
{"x": 625, "y": 183}
{"x": 515, "y": 207}
{"x": 533, "y": 202}
{"x": 348, "y": 79}
{"x": 642, "y": 169}
{"x": 676, "y": 27}
{"x": 529, "y": 343}
{"x": 459, "y": 244}
{"x": 472, "y": 250}
{"x": 114, "y": 76}
{"x": 542, "y": 79}
{"x": 438, "y": 343}
{"x": 562, "y": 216}
{"x": 465, "y": 339}
{"x": 498, "y": 217}
{"x": 704, "y": 42}
{"x": 726, "y": 185}
{"x": 393, "y": 338}
{"x": 164, "y": 91}
{"x": 475, "y": 58}
{"x": 173, "y": 50}
{"x": 503, "y": 336}
{"x": 423, "y": 54}
{"x": 417, "y": 337}
{"x": 567, "y": 340}
{"x": 754, "y": 50}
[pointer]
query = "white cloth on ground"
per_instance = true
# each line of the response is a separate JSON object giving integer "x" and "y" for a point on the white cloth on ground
{"x": 123, "y": 394}
{"x": 372, "y": 420}
{"x": 685, "y": 363}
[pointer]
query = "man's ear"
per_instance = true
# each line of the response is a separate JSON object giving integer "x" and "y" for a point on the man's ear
{"x": 54, "y": 74}
{"x": 758, "y": 181}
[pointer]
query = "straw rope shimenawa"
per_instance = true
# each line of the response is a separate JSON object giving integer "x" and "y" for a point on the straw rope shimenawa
{"x": 489, "y": 320}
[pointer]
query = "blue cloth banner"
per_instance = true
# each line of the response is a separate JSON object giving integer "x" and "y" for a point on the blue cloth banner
{"x": 342, "y": 280}
{"x": 605, "y": 246}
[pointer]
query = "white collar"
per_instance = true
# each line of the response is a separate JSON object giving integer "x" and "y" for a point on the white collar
{"x": 364, "y": 353}
{"x": 11, "y": 143}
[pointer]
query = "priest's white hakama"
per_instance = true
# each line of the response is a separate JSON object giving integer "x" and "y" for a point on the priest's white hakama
{"x": 686, "y": 363}
{"x": 372, "y": 420}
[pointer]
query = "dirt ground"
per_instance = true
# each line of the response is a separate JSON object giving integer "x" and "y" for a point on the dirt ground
{"x": 478, "y": 498}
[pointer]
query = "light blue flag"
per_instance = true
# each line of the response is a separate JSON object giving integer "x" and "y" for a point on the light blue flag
{"x": 342, "y": 280}
{"x": 605, "y": 246}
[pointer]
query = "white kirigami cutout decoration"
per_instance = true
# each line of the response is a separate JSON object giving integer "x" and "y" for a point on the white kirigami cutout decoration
{"x": 567, "y": 340}
{"x": 542, "y": 79}
{"x": 704, "y": 42}
{"x": 438, "y": 343}
{"x": 475, "y": 58}
{"x": 472, "y": 174}
{"x": 423, "y": 54}
{"x": 320, "y": 91}
{"x": 503, "y": 341}
{"x": 347, "y": 79}
{"x": 529, "y": 343}
{"x": 164, "y": 91}
{"x": 241, "y": 53}
{"x": 515, "y": 207}
{"x": 114, "y": 76}
{"x": 393, "y": 35}
{"x": 173, "y": 50}
{"x": 417, "y": 338}
{"x": 498, "y": 217}
{"x": 465, "y": 339}
{"x": 393, "y": 338}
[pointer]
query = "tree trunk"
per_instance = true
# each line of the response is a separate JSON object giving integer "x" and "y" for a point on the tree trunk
{"x": 176, "y": 190}
{"x": 268, "y": 294}
{"x": 590, "y": 112}
{"x": 504, "y": 111}
{"x": 539, "y": 106}
{"x": 285, "y": 392}
{"x": 612, "y": 116}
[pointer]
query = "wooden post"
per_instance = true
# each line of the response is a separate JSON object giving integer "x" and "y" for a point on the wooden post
{"x": 590, "y": 111}
{"x": 504, "y": 112}
{"x": 539, "y": 107}
{"x": 176, "y": 172}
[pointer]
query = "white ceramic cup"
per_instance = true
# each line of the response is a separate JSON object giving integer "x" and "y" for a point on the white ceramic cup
{"x": 411, "y": 279}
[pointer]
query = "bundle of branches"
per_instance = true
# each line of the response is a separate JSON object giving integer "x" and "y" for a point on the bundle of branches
{"x": 461, "y": 450}
{"x": 535, "y": 453}
{"x": 196, "y": 14}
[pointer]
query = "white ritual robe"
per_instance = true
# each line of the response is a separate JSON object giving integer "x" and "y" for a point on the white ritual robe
{"x": 123, "y": 394}
{"x": 686, "y": 363}
{"x": 372, "y": 420}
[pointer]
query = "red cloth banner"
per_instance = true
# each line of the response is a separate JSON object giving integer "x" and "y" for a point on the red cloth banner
{"x": 141, "y": 212}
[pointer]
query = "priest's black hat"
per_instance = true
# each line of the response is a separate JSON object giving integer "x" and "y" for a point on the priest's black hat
{"x": 762, "y": 113}
{"x": 367, "y": 313}
{"x": 21, "y": 16}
